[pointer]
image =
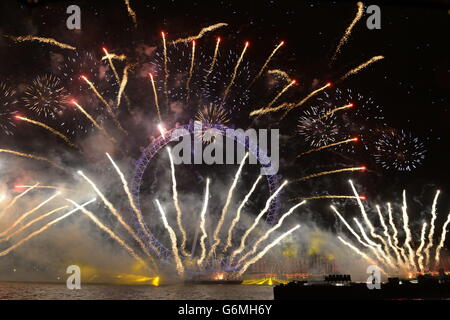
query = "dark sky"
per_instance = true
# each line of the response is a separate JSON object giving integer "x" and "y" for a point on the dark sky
{"x": 411, "y": 84}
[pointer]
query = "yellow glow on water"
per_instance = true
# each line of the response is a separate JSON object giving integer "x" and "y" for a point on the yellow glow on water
{"x": 264, "y": 281}
{"x": 135, "y": 277}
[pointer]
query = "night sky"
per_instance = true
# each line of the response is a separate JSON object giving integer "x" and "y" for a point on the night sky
{"x": 411, "y": 84}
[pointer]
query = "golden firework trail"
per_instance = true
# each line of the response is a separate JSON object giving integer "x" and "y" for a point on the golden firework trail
{"x": 432, "y": 228}
{"x": 366, "y": 218}
{"x": 114, "y": 211}
{"x": 280, "y": 73}
{"x": 191, "y": 70}
{"x": 99, "y": 96}
{"x": 120, "y": 57}
{"x": 155, "y": 95}
{"x": 42, "y": 40}
{"x": 288, "y": 106}
{"x": 422, "y": 244}
{"x": 44, "y": 228}
{"x": 265, "y": 250}
{"x": 328, "y": 196}
{"x": 388, "y": 236}
{"x": 361, "y": 66}
{"x": 130, "y": 199}
{"x": 202, "y": 225}
{"x": 28, "y": 213}
{"x": 14, "y": 200}
{"x": 216, "y": 233}
{"x": 281, "y": 93}
{"x": 123, "y": 84}
{"x": 262, "y": 111}
{"x": 348, "y": 31}
{"x": 111, "y": 233}
{"x": 166, "y": 70}
{"x": 267, "y": 234}
{"x": 214, "y": 59}
{"x": 131, "y": 12}
{"x": 31, "y": 156}
{"x": 266, "y": 63}
{"x": 309, "y": 96}
{"x": 323, "y": 173}
{"x": 173, "y": 239}
{"x": 233, "y": 76}
{"x": 408, "y": 238}
{"x": 255, "y": 223}
{"x": 26, "y": 226}
{"x": 105, "y": 103}
{"x": 95, "y": 123}
{"x": 202, "y": 32}
{"x": 111, "y": 64}
{"x": 238, "y": 214}
{"x": 328, "y": 146}
{"x": 46, "y": 127}
{"x": 359, "y": 252}
{"x": 442, "y": 241}
{"x": 329, "y": 113}
{"x": 177, "y": 205}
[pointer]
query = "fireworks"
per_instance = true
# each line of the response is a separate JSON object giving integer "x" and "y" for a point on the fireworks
{"x": 131, "y": 12}
{"x": 53, "y": 131}
{"x": 155, "y": 95}
{"x": 8, "y": 102}
{"x": 363, "y": 119}
{"x": 361, "y": 66}
{"x": 348, "y": 31}
{"x": 42, "y": 40}
{"x": 399, "y": 151}
{"x": 46, "y": 96}
{"x": 204, "y": 78}
{"x": 207, "y": 116}
{"x": 202, "y": 33}
{"x": 30, "y": 156}
{"x": 317, "y": 133}
{"x": 395, "y": 258}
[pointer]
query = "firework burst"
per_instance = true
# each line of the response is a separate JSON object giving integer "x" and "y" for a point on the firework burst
{"x": 399, "y": 151}
{"x": 363, "y": 120}
{"x": 316, "y": 130}
{"x": 46, "y": 96}
{"x": 8, "y": 101}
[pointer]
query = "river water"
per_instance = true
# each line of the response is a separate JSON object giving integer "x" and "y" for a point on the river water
{"x": 40, "y": 291}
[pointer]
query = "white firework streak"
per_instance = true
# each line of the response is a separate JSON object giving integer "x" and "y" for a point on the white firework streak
{"x": 408, "y": 239}
{"x": 173, "y": 240}
{"x": 366, "y": 218}
{"x": 267, "y": 234}
{"x": 264, "y": 251}
{"x": 249, "y": 230}
{"x": 432, "y": 228}
{"x": 389, "y": 238}
{"x": 377, "y": 250}
{"x": 441, "y": 243}
{"x": 202, "y": 225}
{"x": 422, "y": 243}
{"x": 216, "y": 237}
{"x": 238, "y": 214}
{"x": 177, "y": 205}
